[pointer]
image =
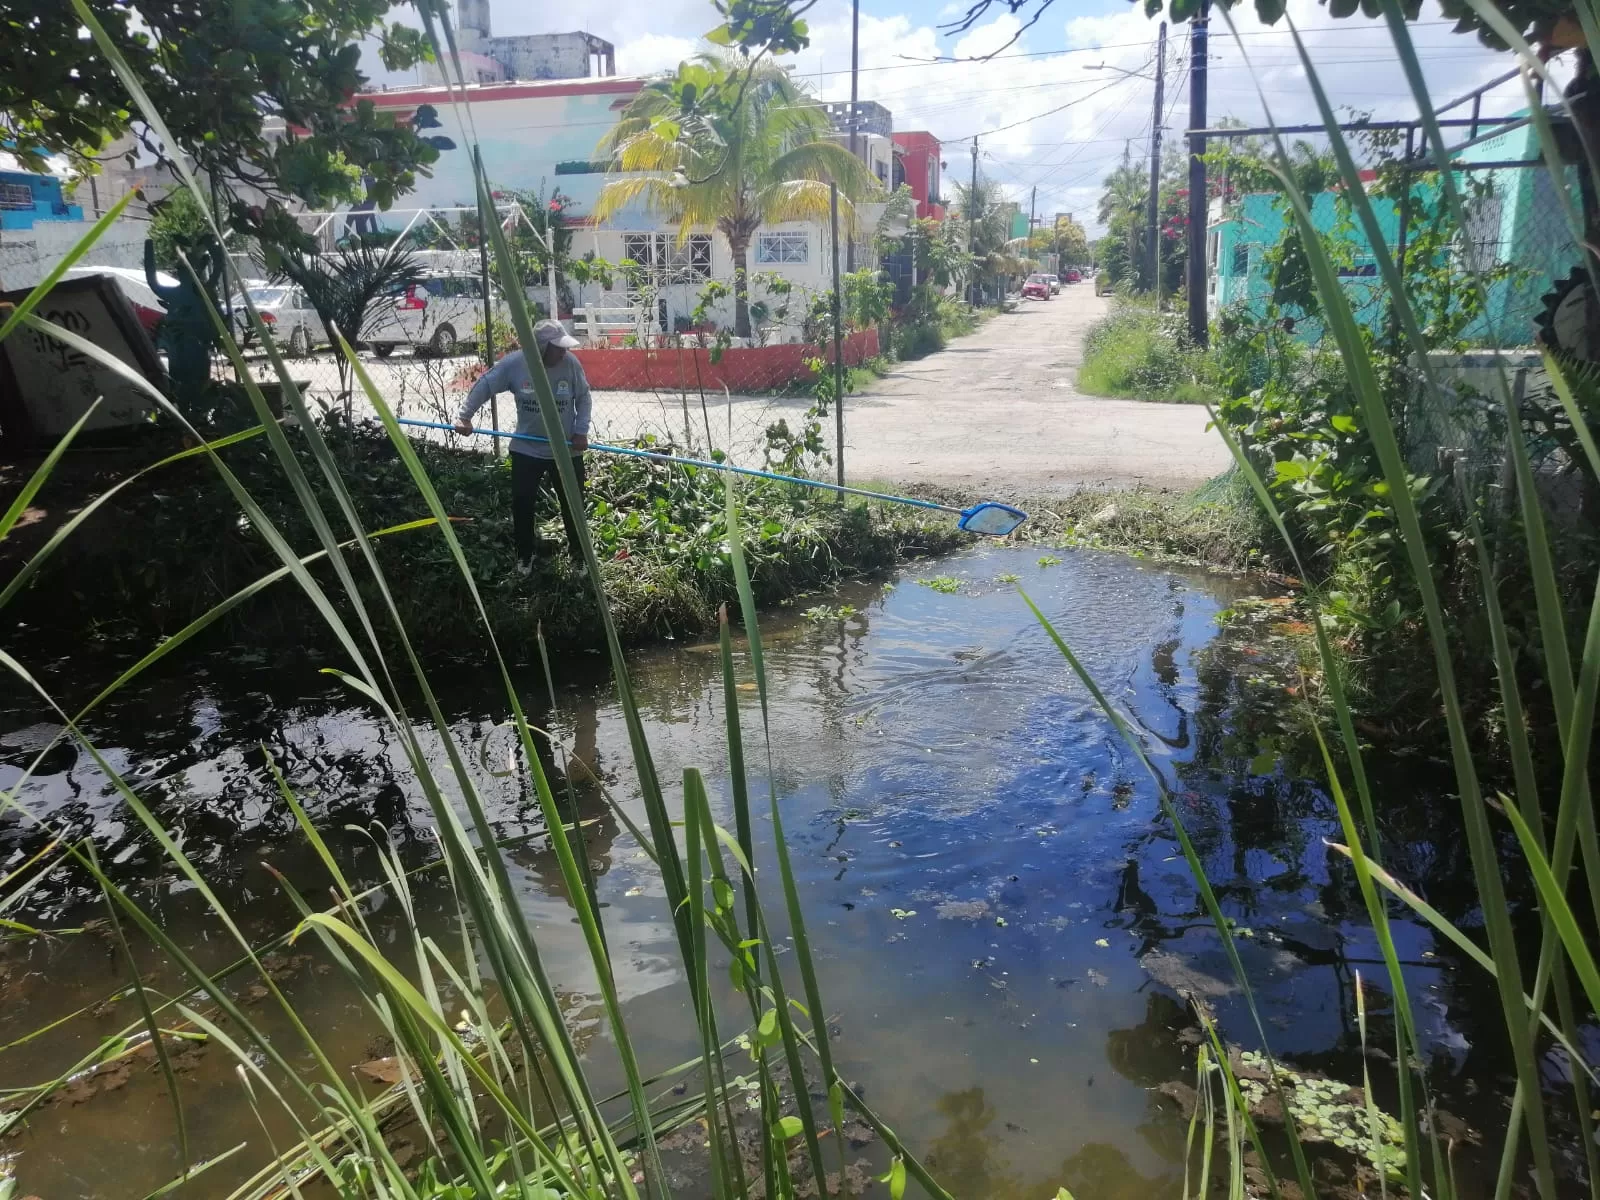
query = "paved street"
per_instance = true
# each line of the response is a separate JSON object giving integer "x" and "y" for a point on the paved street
{"x": 997, "y": 413}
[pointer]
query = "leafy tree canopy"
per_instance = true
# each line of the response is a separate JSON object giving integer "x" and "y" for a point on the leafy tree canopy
{"x": 220, "y": 72}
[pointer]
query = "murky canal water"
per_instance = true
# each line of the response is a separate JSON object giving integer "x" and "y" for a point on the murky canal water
{"x": 1003, "y": 922}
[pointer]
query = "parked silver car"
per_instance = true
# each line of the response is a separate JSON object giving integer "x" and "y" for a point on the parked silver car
{"x": 286, "y": 312}
{"x": 438, "y": 314}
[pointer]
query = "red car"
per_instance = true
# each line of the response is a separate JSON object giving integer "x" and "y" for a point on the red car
{"x": 1037, "y": 287}
{"x": 1074, "y": 275}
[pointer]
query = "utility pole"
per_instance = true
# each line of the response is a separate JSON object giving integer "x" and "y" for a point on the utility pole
{"x": 1033, "y": 206}
{"x": 1153, "y": 251}
{"x": 1195, "y": 281}
{"x": 972, "y": 223}
{"x": 855, "y": 119}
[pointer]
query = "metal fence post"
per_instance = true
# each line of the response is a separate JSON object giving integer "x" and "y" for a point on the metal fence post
{"x": 838, "y": 341}
{"x": 488, "y": 310}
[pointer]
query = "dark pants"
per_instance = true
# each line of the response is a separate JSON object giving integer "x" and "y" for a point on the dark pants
{"x": 528, "y": 476}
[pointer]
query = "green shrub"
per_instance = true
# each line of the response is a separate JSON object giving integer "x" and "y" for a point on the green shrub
{"x": 928, "y": 321}
{"x": 1145, "y": 355}
{"x": 916, "y": 340}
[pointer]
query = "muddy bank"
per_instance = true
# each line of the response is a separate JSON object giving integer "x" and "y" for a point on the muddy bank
{"x": 174, "y": 545}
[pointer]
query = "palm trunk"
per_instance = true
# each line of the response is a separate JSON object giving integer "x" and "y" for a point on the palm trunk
{"x": 739, "y": 243}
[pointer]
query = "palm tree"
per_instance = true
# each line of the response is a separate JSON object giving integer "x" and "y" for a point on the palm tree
{"x": 757, "y": 152}
{"x": 1122, "y": 203}
{"x": 989, "y": 228}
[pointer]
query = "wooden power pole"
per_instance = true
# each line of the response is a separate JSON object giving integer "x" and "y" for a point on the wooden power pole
{"x": 1196, "y": 267}
{"x": 1153, "y": 216}
{"x": 855, "y": 117}
{"x": 972, "y": 221}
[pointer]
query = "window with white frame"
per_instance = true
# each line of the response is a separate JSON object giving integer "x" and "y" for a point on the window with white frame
{"x": 661, "y": 252}
{"x": 783, "y": 248}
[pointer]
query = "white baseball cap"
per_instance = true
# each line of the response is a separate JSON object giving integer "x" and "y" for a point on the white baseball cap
{"x": 553, "y": 333}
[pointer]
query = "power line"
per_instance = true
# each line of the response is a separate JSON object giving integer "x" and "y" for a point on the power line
{"x": 1039, "y": 116}
{"x": 932, "y": 62}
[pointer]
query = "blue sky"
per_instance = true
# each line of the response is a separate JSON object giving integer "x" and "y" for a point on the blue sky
{"x": 1044, "y": 118}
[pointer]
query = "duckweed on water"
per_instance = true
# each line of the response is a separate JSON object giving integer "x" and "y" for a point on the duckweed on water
{"x": 1049, "y": 560}
{"x": 1330, "y": 1111}
{"x": 947, "y": 584}
{"x": 829, "y": 612}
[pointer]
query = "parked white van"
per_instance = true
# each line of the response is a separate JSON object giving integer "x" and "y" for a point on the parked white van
{"x": 438, "y": 314}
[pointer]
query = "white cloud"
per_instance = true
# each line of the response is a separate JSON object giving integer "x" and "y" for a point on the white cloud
{"x": 653, "y": 52}
{"x": 1044, "y": 119}
{"x": 1068, "y": 151}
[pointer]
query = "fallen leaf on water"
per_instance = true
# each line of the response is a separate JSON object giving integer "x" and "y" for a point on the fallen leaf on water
{"x": 747, "y": 687}
{"x": 902, "y": 913}
{"x": 382, "y": 1070}
{"x": 1102, "y": 941}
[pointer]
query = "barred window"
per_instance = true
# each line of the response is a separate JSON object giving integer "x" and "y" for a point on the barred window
{"x": 1480, "y": 235}
{"x": 783, "y": 248}
{"x": 661, "y": 251}
{"x": 694, "y": 256}
{"x": 640, "y": 247}
{"x": 1241, "y": 258}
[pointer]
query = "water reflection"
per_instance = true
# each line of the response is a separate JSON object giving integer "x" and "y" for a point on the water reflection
{"x": 1005, "y": 927}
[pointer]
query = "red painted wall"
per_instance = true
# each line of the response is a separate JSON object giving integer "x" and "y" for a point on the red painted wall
{"x": 756, "y": 369}
{"x": 917, "y": 149}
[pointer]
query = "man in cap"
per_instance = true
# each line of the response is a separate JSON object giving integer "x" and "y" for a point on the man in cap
{"x": 533, "y": 462}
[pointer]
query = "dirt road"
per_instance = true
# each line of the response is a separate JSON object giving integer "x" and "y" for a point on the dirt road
{"x": 997, "y": 412}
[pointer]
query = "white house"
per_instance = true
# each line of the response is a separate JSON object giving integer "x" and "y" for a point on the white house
{"x": 541, "y": 136}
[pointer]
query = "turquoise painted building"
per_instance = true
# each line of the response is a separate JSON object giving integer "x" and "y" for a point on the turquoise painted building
{"x": 1519, "y": 225}
{"x": 26, "y": 197}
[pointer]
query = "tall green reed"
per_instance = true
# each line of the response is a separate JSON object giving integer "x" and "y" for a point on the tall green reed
{"x": 1548, "y": 839}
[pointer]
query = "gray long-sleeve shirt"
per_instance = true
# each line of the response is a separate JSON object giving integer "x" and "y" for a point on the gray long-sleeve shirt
{"x": 511, "y": 374}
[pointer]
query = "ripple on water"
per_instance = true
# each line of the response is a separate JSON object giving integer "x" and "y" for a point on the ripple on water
{"x": 1002, "y": 921}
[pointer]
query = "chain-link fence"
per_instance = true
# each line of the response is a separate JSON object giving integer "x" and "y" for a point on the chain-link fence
{"x": 682, "y": 391}
{"x": 1458, "y": 433}
{"x": 656, "y": 330}
{"x": 1490, "y": 283}
{"x": 1505, "y": 273}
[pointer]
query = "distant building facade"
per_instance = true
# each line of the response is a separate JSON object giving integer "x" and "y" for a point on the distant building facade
{"x": 27, "y": 198}
{"x": 874, "y": 127}
{"x": 489, "y": 59}
{"x": 542, "y": 137}
{"x": 918, "y": 166}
